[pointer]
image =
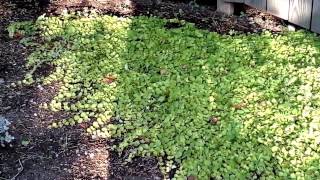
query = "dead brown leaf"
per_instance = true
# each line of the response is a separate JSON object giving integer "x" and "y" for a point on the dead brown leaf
{"x": 109, "y": 79}
{"x": 239, "y": 106}
{"x": 214, "y": 120}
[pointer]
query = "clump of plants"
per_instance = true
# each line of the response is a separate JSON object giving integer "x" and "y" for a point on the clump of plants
{"x": 207, "y": 105}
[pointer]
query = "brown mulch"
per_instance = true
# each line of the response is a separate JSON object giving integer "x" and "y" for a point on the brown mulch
{"x": 67, "y": 153}
{"x": 204, "y": 16}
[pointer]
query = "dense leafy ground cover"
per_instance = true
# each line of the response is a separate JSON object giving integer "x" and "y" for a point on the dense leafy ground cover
{"x": 207, "y": 105}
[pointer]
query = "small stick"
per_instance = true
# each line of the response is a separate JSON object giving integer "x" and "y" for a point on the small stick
{"x": 20, "y": 170}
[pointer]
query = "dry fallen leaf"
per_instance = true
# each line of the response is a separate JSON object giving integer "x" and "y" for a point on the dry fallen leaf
{"x": 109, "y": 79}
{"x": 239, "y": 106}
{"x": 214, "y": 120}
{"x": 163, "y": 72}
{"x": 192, "y": 177}
{"x": 18, "y": 35}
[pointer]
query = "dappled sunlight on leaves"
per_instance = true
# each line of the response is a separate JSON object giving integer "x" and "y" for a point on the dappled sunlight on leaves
{"x": 244, "y": 106}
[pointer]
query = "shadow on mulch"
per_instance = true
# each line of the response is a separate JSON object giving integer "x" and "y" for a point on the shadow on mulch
{"x": 202, "y": 14}
{"x": 67, "y": 153}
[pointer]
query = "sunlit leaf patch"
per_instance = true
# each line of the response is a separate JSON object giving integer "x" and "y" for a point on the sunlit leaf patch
{"x": 208, "y": 105}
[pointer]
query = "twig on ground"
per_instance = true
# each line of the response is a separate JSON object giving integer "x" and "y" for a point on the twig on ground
{"x": 15, "y": 176}
{"x": 20, "y": 170}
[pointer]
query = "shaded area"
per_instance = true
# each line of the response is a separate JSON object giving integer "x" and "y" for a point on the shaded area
{"x": 202, "y": 13}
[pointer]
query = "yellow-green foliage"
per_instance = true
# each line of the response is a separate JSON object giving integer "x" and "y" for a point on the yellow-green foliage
{"x": 227, "y": 107}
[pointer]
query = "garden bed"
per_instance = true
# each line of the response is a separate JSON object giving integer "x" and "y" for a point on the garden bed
{"x": 161, "y": 82}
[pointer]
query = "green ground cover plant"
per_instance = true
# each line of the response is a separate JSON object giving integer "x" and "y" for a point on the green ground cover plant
{"x": 207, "y": 105}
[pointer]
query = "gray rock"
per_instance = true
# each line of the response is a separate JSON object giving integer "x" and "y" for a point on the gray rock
{"x": 4, "y": 124}
{"x": 291, "y": 28}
